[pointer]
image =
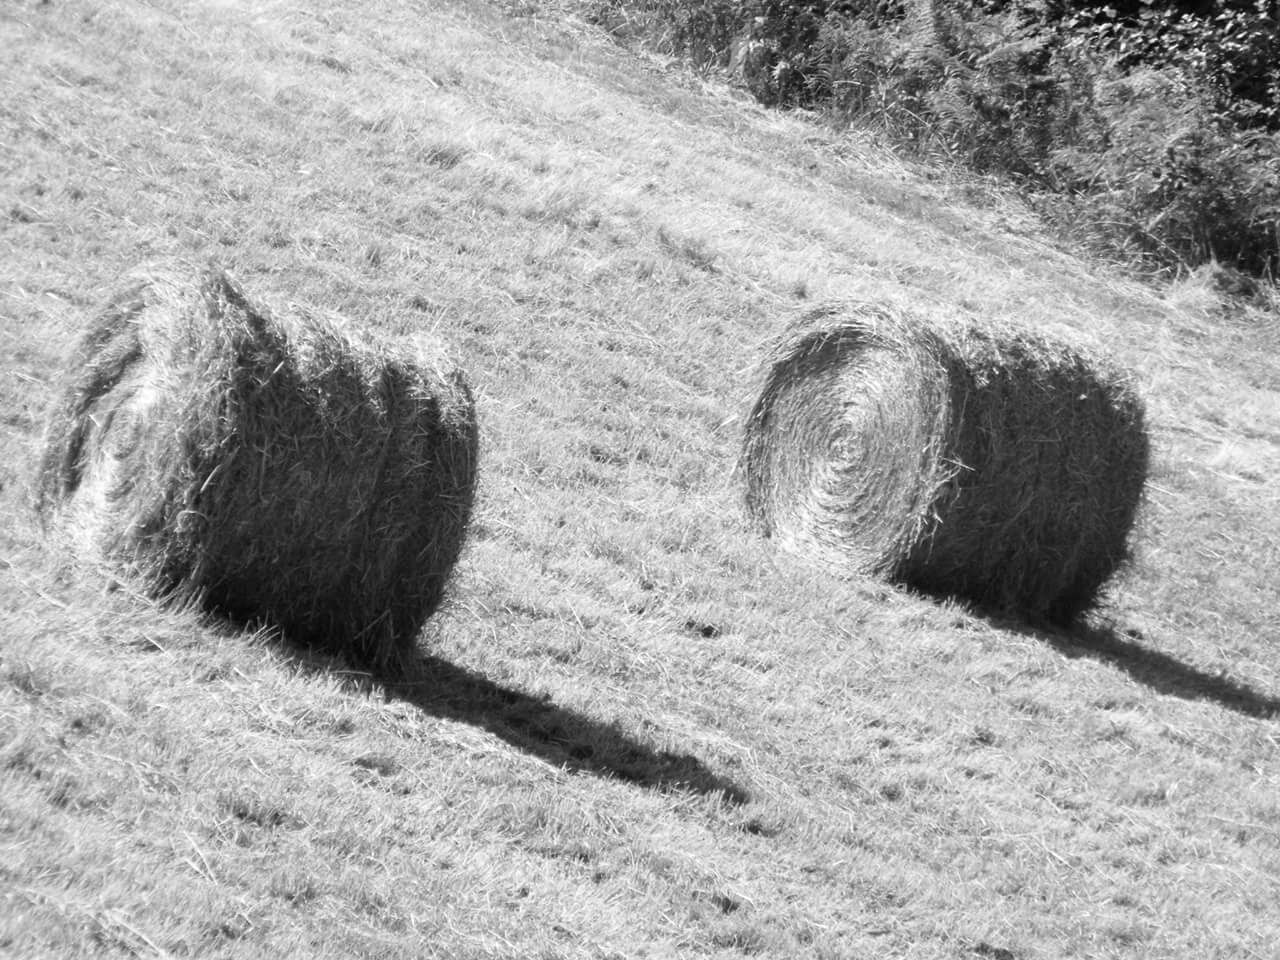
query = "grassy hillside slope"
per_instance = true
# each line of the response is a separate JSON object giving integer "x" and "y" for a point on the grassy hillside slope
{"x": 634, "y": 734}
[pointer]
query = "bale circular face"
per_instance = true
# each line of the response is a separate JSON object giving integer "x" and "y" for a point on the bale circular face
{"x": 1002, "y": 468}
{"x": 839, "y": 439}
{"x": 117, "y": 439}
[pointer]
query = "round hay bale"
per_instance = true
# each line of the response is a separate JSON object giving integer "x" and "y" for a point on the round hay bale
{"x": 277, "y": 467}
{"x": 999, "y": 467}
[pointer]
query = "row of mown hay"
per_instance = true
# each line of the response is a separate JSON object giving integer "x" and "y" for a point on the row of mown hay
{"x": 991, "y": 465}
{"x": 273, "y": 466}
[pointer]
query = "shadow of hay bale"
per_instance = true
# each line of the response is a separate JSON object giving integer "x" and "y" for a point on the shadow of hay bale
{"x": 1125, "y": 650}
{"x": 562, "y": 737}
{"x": 998, "y": 467}
{"x": 276, "y": 467}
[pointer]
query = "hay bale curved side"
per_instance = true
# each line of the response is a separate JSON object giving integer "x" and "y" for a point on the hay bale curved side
{"x": 999, "y": 467}
{"x": 272, "y": 466}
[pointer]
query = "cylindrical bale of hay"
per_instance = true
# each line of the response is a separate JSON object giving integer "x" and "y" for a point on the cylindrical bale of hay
{"x": 999, "y": 467}
{"x": 273, "y": 466}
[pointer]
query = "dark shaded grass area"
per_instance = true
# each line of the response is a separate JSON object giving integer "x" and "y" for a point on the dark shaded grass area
{"x": 535, "y": 724}
{"x": 1159, "y": 671}
{"x": 556, "y": 734}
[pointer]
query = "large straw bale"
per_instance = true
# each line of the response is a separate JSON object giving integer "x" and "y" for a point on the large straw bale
{"x": 273, "y": 466}
{"x": 996, "y": 466}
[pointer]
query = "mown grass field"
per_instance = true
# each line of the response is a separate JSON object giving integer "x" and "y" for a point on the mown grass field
{"x": 634, "y": 732}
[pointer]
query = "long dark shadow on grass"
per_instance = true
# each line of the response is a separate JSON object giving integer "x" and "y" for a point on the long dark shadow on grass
{"x": 1157, "y": 670}
{"x": 558, "y": 735}
{"x": 537, "y": 725}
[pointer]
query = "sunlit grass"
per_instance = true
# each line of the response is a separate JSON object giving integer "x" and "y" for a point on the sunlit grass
{"x": 636, "y": 732}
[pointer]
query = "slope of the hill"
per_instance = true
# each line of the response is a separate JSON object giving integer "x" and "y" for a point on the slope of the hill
{"x": 637, "y": 735}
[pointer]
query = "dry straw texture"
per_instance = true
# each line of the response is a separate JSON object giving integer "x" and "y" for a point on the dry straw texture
{"x": 274, "y": 467}
{"x": 995, "y": 466}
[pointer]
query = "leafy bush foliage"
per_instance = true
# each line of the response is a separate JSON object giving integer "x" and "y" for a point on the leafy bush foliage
{"x": 1154, "y": 130}
{"x": 1233, "y": 44}
{"x": 1175, "y": 177}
